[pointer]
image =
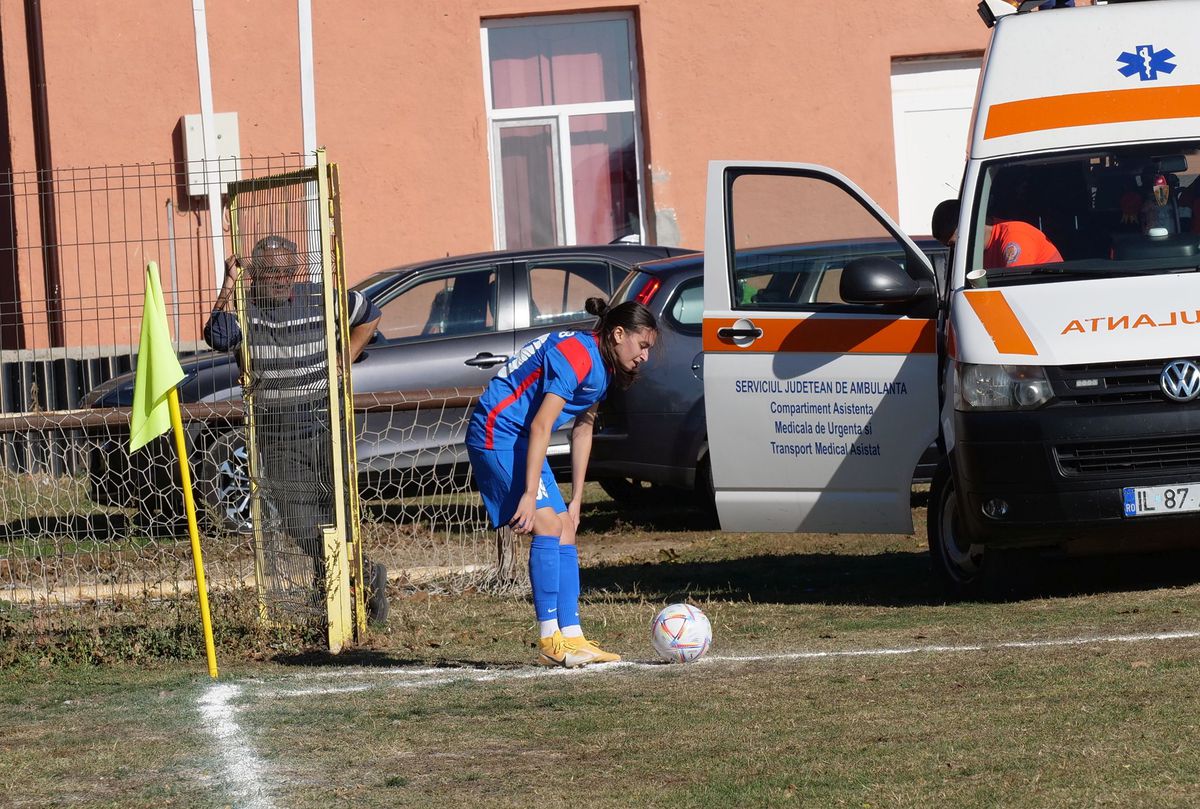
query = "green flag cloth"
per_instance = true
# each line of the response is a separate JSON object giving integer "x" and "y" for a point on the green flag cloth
{"x": 158, "y": 370}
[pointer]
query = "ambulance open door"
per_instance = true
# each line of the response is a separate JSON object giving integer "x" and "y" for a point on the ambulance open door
{"x": 818, "y": 409}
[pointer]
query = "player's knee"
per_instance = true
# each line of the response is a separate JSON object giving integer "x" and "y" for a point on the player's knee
{"x": 567, "y": 537}
{"x": 547, "y": 523}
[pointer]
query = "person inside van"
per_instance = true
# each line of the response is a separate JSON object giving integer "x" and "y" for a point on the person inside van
{"x": 1010, "y": 243}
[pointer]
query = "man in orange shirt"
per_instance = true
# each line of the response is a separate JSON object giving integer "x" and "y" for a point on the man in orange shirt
{"x": 1009, "y": 244}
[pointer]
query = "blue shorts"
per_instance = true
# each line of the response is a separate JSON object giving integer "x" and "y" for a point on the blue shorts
{"x": 500, "y": 476}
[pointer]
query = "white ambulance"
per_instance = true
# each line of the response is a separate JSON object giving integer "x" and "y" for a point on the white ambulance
{"x": 1062, "y": 387}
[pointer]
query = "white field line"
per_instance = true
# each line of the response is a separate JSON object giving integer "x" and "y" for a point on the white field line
{"x": 423, "y": 678}
{"x": 245, "y": 772}
{"x": 242, "y": 769}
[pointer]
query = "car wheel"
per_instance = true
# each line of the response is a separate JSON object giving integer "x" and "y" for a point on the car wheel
{"x": 629, "y": 491}
{"x": 224, "y": 482}
{"x": 964, "y": 568}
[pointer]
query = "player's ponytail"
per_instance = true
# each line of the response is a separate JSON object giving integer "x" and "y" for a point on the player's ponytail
{"x": 630, "y": 316}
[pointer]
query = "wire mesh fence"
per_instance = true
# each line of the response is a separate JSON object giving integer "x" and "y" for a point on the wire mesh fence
{"x": 92, "y": 540}
{"x": 421, "y": 516}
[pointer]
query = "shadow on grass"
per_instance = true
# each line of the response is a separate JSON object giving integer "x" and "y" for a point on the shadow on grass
{"x": 884, "y": 579}
{"x": 669, "y": 510}
{"x": 893, "y": 579}
{"x": 1053, "y": 576}
{"x": 881, "y": 580}
{"x": 377, "y": 658}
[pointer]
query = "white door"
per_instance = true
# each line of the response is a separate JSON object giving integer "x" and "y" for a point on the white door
{"x": 931, "y": 117}
{"x": 817, "y": 409}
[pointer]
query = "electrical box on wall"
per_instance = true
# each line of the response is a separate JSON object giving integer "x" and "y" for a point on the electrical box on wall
{"x": 224, "y": 169}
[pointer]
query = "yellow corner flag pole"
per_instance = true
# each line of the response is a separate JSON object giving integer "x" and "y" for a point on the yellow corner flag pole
{"x": 155, "y": 410}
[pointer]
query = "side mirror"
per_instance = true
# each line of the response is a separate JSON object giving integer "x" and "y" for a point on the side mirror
{"x": 875, "y": 279}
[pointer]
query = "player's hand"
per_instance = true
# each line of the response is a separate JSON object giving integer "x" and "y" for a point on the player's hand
{"x": 522, "y": 521}
{"x": 573, "y": 512}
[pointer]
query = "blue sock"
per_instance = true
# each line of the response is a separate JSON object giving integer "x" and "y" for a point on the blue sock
{"x": 543, "y": 576}
{"x": 568, "y": 585}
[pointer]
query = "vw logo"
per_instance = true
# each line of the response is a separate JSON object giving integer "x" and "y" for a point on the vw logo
{"x": 1180, "y": 380}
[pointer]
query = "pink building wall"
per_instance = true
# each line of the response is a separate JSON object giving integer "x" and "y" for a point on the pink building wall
{"x": 400, "y": 98}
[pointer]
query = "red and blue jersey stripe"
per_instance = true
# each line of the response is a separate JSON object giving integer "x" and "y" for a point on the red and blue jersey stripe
{"x": 565, "y": 363}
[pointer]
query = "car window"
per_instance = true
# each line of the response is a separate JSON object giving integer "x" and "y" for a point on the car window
{"x": 687, "y": 309}
{"x": 559, "y": 289}
{"x": 793, "y": 234}
{"x": 450, "y": 304}
{"x": 812, "y": 275}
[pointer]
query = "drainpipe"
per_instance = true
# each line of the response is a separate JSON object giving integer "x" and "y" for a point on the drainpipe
{"x": 45, "y": 171}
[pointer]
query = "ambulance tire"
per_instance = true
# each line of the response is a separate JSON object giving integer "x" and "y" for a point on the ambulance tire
{"x": 966, "y": 571}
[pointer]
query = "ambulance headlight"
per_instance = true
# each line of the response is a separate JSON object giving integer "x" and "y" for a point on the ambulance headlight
{"x": 1002, "y": 387}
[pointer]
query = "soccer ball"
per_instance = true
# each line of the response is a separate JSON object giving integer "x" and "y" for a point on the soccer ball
{"x": 680, "y": 633}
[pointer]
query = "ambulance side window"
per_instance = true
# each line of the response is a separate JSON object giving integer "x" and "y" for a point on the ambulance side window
{"x": 792, "y": 236}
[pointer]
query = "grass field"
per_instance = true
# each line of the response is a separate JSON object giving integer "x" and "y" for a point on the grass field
{"x": 837, "y": 678}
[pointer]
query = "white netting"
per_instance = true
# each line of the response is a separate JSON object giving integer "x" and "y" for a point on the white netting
{"x": 93, "y": 542}
{"x": 420, "y": 515}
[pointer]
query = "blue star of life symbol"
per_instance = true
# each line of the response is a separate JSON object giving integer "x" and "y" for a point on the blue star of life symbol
{"x": 1146, "y": 62}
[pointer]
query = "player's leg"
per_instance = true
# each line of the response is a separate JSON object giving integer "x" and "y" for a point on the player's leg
{"x": 545, "y": 574}
{"x": 550, "y": 499}
{"x": 500, "y": 476}
{"x": 568, "y": 590}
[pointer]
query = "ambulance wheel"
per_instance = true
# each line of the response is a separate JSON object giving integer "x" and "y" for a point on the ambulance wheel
{"x": 966, "y": 570}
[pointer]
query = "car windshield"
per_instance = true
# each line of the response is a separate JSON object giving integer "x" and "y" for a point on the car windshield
{"x": 1122, "y": 210}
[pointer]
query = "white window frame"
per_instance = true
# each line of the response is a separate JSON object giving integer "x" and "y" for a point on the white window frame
{"x": 564, "y": 172}
{"x": 564, "y": 215}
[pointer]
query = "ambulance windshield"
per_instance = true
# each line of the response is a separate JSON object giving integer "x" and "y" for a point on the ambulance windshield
{"x": 1123, "y": 210}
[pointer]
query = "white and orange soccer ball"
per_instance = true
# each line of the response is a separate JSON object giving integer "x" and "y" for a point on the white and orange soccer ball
{"x": 680, "y": 633}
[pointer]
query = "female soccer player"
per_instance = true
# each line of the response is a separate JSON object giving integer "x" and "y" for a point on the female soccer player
{"x": 555, "y": 378}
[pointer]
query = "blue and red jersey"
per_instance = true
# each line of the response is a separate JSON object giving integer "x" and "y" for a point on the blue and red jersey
{"x": 565, "y": 363}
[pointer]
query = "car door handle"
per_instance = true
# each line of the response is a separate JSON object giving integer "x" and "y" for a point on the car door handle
{"x": 729, "y": 333}
{"x": 486, "y": 360}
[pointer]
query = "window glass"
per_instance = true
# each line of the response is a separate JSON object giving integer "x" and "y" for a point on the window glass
{"x": 688, "y": 308}
{"x": 560, "y": 63}
{"x": 1108, "y": 211}
{"x": 564, "y": 129}
{"x": 604, "y": 165}
{"x": 559, "y": 290}
{"x": 793, "y": 235}
{"x": 460, "y": 303}
{"x": 529, "y": 186}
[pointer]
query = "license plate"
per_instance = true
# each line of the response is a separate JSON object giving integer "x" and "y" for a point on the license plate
{"x": 1147, "y": 501}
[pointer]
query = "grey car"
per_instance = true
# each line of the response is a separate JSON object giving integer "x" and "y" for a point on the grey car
{"x": 448, "y": 323}
{"x": 654, "y": 434}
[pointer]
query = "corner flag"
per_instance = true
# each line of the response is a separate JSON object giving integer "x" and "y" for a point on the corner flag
{"x": 158, "y": 370}
{"x": 156, "y": 410}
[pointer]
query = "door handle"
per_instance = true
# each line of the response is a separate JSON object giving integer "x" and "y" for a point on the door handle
{"x": 486, "y": 360}
{"x": 730, "y": 333}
